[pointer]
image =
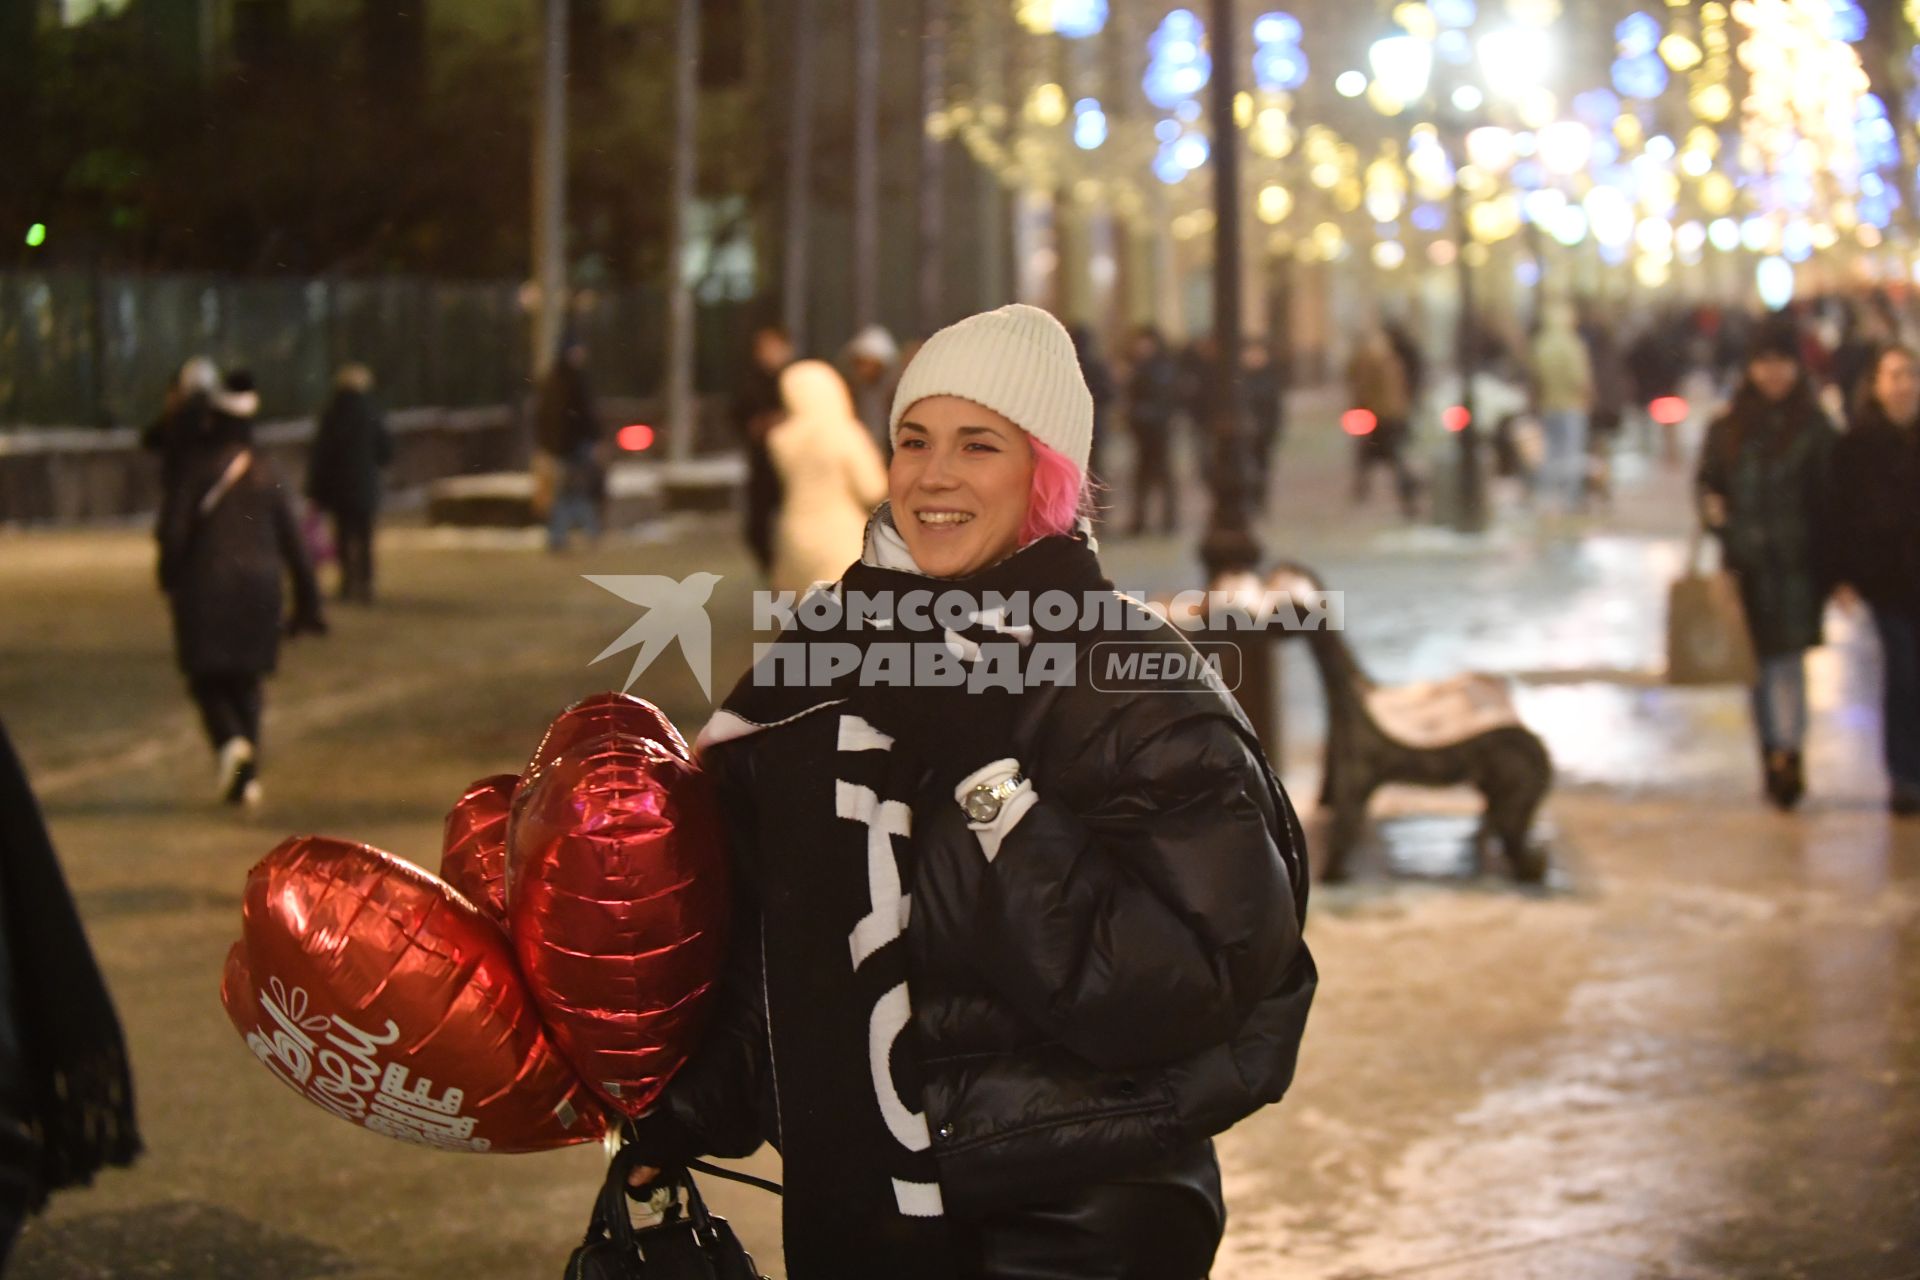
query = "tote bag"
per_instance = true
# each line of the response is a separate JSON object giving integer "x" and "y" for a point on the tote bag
{"x": 1707, "y": 637}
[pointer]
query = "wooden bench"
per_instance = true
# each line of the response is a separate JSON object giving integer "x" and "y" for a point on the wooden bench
{"x": 1462, "y": 731}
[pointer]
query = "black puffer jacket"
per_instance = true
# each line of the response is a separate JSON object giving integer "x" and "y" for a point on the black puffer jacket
{"x": 1127, "y": 976}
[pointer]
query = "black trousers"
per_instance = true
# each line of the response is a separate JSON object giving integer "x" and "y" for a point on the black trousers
{"x": 1153, "y": 476}
{"x": 353, "y": 542}
{"x": 229, "y": 703}
{"x": 1386, "y": 447}
{"x": 1164, "y": 1225}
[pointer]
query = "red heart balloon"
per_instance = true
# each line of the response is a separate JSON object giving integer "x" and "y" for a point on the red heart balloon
{"x": 384, "y": 997}
{"x": 597, "y": 715}
{"x": 473, "y": 850}
{"x": 618, "y": 903}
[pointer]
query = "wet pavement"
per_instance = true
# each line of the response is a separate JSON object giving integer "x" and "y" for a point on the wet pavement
{"x": 1694, "y": 1053}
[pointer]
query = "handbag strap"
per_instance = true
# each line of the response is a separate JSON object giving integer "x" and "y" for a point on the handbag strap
{"x": 714, "y": 1170}
{"x": 237, "y": 468}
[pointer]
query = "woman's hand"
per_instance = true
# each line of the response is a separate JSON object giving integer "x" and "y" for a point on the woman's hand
{"x": 642, "y": 1175}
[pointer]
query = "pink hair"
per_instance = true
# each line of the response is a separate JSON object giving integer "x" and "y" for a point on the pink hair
{"x": 1058, "y": 498}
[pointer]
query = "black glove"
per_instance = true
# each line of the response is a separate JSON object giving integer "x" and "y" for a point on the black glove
{"x": 657, "y": 1140}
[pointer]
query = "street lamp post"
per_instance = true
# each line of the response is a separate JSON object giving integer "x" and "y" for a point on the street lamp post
{"x": 1406, "y": 64}
{"x": 550, "y": 191}
{"x": 799, "y": 201}
{"x": 1229, "y": 545}
{"x": 682, "y": 409}
{"x": 1470, "y": 500}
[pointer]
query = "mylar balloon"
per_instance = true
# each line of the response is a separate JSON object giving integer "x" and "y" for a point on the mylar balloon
{"x": 473, "y": 850}
{"x": 599, "y": 714}
{"x": 382, "y": 996}
{"x": 617, "y": 900}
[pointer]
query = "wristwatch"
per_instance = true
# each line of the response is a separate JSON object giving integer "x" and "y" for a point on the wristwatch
{"x": 983, "y": 803}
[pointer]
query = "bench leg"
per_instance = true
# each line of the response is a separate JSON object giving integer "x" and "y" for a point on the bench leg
{"x": 1514, "y": 781}
{"x": 1348, "y": 806}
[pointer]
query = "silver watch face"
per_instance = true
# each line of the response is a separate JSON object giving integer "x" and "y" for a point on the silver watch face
{"x": 982, "y": 805}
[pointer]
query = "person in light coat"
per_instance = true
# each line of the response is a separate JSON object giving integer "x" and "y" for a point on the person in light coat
{"x": 831, "y": 473}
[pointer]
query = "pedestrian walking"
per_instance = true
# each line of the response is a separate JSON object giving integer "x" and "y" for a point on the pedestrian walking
{"x": 1763, "y": 485}
{"x": 66, "y": 1085}
{"x": 1103, "y": 964}
{"x": 1262, "y": 391}
{"x": 185, "y": 423}
{"x": 1657, "y": 366}
{"x": 757, "y": 406}
{"x": 1876, "y": 547}
{"x": 571, "y": 437}
{"x": 1865, "y": 332}
{"x": 1562, "y": 379}
{"x": 1377, "y": 384}
{"x": 1154, "y": 398}
{"x": 868, "y": 364}
{"x": 1610, "y": 397}
{"x": 831, "y": 474}
{"x": 350, "y": 449}
{"x": 1413, "y": 360}
{"x": 230, "y": 541}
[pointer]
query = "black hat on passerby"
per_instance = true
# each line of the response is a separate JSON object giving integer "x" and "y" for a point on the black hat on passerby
{"x": 238, "y": 396}
{"x": 1776, "y": 336}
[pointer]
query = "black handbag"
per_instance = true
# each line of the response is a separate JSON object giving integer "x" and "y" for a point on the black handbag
{"x": 689, "y": 1243}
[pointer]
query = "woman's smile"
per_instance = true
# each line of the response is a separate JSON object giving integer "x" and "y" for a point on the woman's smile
{"x": 961, "y": 480}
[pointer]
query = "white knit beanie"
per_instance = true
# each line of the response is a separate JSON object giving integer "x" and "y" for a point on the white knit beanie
{"x": 1017, "y": 361}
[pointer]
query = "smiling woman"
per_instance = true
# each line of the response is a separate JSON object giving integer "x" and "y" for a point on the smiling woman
{"x": 1102, "y": 966}
{"x": 960, "y": 483}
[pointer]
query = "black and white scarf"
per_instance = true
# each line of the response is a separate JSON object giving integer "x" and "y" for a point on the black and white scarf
{"x": 863, "y": 1195}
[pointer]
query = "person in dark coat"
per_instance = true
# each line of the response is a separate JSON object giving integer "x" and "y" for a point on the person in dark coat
{"x": 66, "y": 1085}
{"x": 1864, "y": 333}
{"x": 569, "y": 431}
{"x": 756, "y": 408}
{"x": 185, "y": 424}
{"x": 1263, "y": 390}
{"x": 1763, "y": 486}
{"x": 1103, "y": 965}
{"x": 230, "y": 541}
{"x": 350, "y": 448}
{"x": 1876, "y": 546}
{"x": 1154, "y": 399}
{"x": 1656, "y": 364}
{"x": 183, "y": 428}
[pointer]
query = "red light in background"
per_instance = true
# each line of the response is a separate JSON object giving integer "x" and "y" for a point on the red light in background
{"x": 1668, "y": 411}
{"x": 1456, "y": 418}
{"x": 636, "y": 437}
{"x": 1358, "y": 422}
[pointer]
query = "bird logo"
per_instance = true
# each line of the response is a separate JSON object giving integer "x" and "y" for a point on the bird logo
{"x": 674, "y": 611}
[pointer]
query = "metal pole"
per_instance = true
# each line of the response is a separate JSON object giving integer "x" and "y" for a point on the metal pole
{"x": 1470, "y": 515}
{"x": 1229, "y": 545}
{"x": 550, "y": 193}
{"x": 681, "y": 414}
{"x": 793, "y": 291}
{"x": 933, "y": 164}
{"x": 866, "y": 163}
